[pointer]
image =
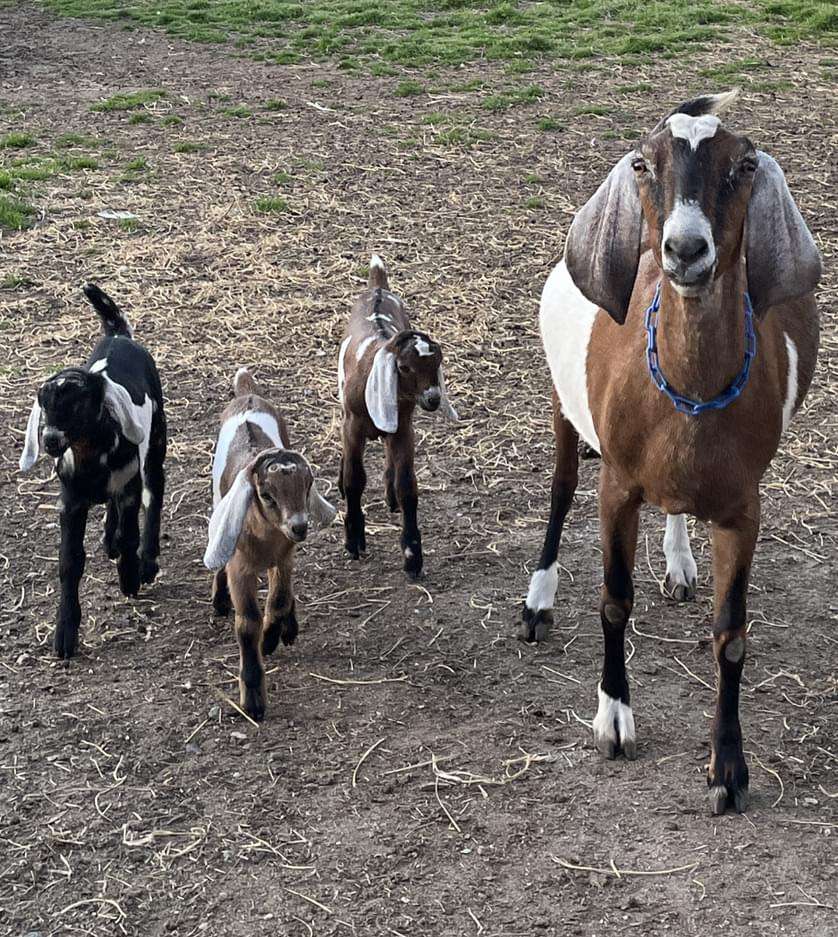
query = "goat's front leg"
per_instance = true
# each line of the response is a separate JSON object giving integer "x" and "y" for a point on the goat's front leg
{"x": 400, "y": 455}
{"x": 538, "y": 608}
{"x": 111, "y": 526}
{"x": 244, "y": 584}
{"x": 71, "y": 559}
{"x": 733, "y": 550}
{"x": 128, "y": 536}
{"x": 153, "y": 490}
{"x": 353, "y": 482}
{"x": 681, "y": 571}
{"x": 221, "y": 601}
{"x": 619, "y": 511}
{"x": 280, "y": 608}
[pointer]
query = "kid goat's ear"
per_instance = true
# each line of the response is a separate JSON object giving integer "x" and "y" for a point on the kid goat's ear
{"x": 123, "y": 409}
{"x": 446, "y": 408}
{"x": 321, "y": 512}
{"x": 31, "y": 447}
{"x": 227, "y": 520}
{"x": 382, "y": 392}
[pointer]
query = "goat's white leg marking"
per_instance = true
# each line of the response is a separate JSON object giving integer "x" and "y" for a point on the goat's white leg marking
{"x": 791, "y": 383}
{"x": 614, "y": 727}
{"x": 681, "y": 570}
{"x": 543, "y": 585}
{"x": 566, "y": 319}
{"x": 265, "y": 421}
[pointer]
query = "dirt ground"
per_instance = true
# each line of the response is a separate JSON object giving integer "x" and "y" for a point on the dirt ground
{"x": 133, "y": 799}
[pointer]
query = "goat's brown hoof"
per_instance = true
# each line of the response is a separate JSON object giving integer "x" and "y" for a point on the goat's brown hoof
{"x": 679, "y": 591}
{"x": 535, "y": 626}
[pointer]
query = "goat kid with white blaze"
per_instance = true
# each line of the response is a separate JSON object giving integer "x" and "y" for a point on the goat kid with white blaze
{"x": 264, "y": 500}
{"x": 386, "y": 368}
{"x": 104, "y": 425}
{"x": 681, "y": 332}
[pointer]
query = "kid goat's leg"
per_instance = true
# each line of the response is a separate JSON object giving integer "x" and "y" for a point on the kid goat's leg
{"x": 244, "y": 584}
{"x": 538, "y": 615}
{"x": 681, "y": 571}
{"x": 280, "y": 609}
{"x": 619, "y": 510}
{"x": 733, "y": 550}
{"x": 221, "y": 601}
{"x": 400, "y": 454}
{"x": 128, "y": 536}
{"x": 70, "y": 569}
{"x": 353, "y": 480}
{"x": 155, "y": 481}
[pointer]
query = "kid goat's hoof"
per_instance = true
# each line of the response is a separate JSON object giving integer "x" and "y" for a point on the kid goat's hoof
{"x": 148, "y": 571}
{"x": 535, "y": 626}
{"x": 678, "y": 589}
{"x": 614, "y": 728}
{"x": 721, "y": 798}
{"x": 64, "y": 643}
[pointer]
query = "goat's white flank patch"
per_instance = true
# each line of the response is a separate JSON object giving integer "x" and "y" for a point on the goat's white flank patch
{"x": 98, "y": 366}
{"x": 423, "y": 349}
{"x": 612, "y": 717}
{"x": 566, "y": 318}
{"x": 68, "y": 462}
{"x": 693, "y": 129}
{"x": 31, "y": 447}
{"x": 265, "y": 421}
{"x": 381, "y": 394}
{"x": 119, "y": 478}
{"x": 342, "y": 365}
{"x": 543, "y": 585}
{"x": 681, "y": 569}
{"x": 365, "y": 344}
{"x": 791, "y": 382}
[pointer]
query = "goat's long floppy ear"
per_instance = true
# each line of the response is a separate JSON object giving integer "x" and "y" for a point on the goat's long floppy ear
{"x": 382, "y": 392}
{"x": 227, "y": 520}
{"x": 445, "y": 406}
{"x": 321, "y": 512}
{"x": 603, "y": 245}
{"x": 123, "y": 409}
{"x": 31, "y": 447}
{"x": 783, "y": 262}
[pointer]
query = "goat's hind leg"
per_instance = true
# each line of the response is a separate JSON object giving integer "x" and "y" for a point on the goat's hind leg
{"x": 153, "y": 490}
{"x": 619, "y": 512}
{"x": 280, "y": 610}
{"x": 538, "y": 609}
{"x": 353, "y": 482}
{"x": 681, "y": 571}
{"x": 128, "y": 537}
{"x": 109, "y": 544}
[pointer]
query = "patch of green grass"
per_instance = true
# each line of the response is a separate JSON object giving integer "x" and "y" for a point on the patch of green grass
{"x": 138, "y": 164}
{"x": 130, "y": 100}
{"x": 14, "y": 215}
{"x": 140, "y": 118}
{"x": 593, "y": 110}
{"x": 380, "y": 70}
{"x": 171, "y": 120}
{"x": 6, "y": 181}
{"x": 187, "y": 146}
{"x": 283, "y": 178}
{"x": 533, "y": 179}
{"x": 534, "y": 203}
{"x": 68, "y": 140}
{"x": 462, "y": 136}
{"x": 76, "y": 163}
{"x": 239, "y": 110}
{"x": 13, "y": 281}
{"x": 409, "y": 88}
{"x": 637, "y": 88}
{"x": 16, "y": 140}
{"x": 322, "y": 83}
{"x": 270, "y": 205}
{"x": 129, "y": 225}
{"x": 546, "y": 124}
{"x": 513, "y": 98}
{"x": 397, "y": 34}
{"x": 276, "y": 104}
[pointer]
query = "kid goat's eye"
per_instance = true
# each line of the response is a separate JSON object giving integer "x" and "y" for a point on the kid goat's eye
{"x": 639, "y": 165}
{"x": 748, "y": 165}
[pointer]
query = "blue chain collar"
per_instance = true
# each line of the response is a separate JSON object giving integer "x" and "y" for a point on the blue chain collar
{"x": 685, "y": 404}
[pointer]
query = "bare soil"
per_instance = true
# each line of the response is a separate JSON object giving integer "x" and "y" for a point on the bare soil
{"x": 133, "y": 799}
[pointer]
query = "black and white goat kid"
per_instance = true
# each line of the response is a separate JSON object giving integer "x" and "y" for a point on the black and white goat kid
{"x": 104, "y": 425}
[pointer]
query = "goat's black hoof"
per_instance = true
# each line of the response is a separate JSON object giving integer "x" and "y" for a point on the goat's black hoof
{"x": 728, "y": 781}
{"x": 289, "y": 631}
{"x": 253, "y": 703}
{"x": 129, "y": 582}
{"x": 392, "y": 503}
{"x": 221, "y": 606}
{"x": 148, "y": 571}
{"x": 109, "y": 548}
{"x": 535, "y": 626}
{"x": 65, "y": 642}
{"x": 355, "y": 550}
{"x": 679, "y": 591}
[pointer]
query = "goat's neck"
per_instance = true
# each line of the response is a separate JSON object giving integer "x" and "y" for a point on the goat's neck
{"x": 701, "y": 340}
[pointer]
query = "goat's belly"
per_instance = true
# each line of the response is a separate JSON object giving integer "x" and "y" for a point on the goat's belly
{"x": 566, "y": 319}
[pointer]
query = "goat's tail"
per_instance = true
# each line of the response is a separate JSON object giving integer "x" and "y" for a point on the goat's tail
{"x": 113, "y": 320}
{"x": 243, "y": 383}
{"x": 378, "y": 274}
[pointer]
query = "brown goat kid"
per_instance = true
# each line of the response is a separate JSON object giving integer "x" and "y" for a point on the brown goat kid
{"x": 385, "y": 368}
{"x": 681, "y": 332}
{"x": 264, "y": 497}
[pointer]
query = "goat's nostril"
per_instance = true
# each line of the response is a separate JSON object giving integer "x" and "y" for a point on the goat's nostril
{"x": 687, "y": 248}
{"x": 299, "y": 531}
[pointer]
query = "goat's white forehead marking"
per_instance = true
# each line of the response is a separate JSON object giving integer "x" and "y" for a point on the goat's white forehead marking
{"x": 60, "y": 381}
{"x": 379, "y": 315}
{"x": 693, "y": 129}
{"x": 422, "y": 347}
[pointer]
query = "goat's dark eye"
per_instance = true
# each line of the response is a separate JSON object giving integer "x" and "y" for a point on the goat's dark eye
{"x": 748, "y": 165}
{"x": 639, "y": 165}
{"x": 268, "y": 499}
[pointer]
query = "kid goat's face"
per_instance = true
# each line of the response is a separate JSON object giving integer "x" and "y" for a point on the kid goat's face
{"x": 418, "y": 360}
{"x": 71, "y": 404}
{"x": 283, "y": 484}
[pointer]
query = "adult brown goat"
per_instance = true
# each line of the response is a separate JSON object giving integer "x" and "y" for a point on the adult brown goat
{"x": 681, "y": 332}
